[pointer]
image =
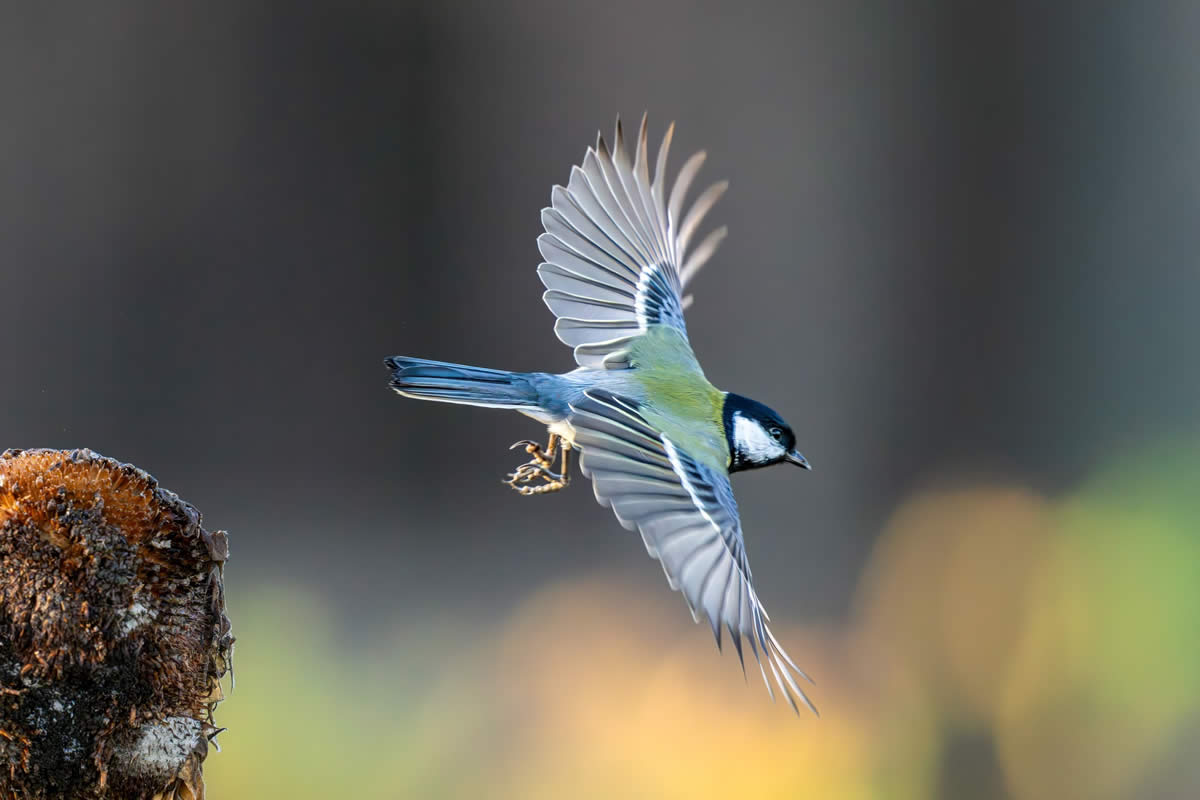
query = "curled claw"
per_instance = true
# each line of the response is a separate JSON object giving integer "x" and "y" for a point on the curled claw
{"x": 530, "y": 472}
{"x": 527, "y": 473}
{"x": 539, "y": 467}
{"x": 539, "y": 457}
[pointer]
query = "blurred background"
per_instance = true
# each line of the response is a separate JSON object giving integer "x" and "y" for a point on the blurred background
{"x": 961, "y": 262}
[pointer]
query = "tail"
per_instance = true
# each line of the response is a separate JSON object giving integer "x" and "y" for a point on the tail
{"x": 458, "y": 383}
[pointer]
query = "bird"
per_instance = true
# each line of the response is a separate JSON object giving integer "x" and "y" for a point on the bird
{"x": 658, "y": 441}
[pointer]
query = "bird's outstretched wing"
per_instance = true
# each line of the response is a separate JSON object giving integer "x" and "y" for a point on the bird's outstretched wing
{"x": 615, "y": 247}
{"x": 688, "y": 519}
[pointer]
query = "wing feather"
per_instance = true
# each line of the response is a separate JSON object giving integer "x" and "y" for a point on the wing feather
{"x": 580, "y": 331}
{"x": 592, "y": 309}
{"x": 654, "y": 221}
{"x": 635, "y": 201}
{"x": 560, "y": 279}
{"x": 586, "y": 242}
{"x": 587, "y": 262}
{"x": 707, "y": 199}
{"x": 612, "y": 176}
{"x": 618, "y": 225}
{"x": 702, "y": 254}
{"x": 656, "y": 188}
{"x": 593, "y": 213}
{"x": 688, "y": 519}
{"x": 687, "y": 174}
{"x": 594, "y": 229}
{"x": 612, "y": 236}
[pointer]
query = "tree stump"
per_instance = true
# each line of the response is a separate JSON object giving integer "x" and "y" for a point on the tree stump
{"x": 113, "y": 634}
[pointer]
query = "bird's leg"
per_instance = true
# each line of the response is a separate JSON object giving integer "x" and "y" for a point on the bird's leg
{"x": 565, "y": 475}
{"x": 540, "y": 466}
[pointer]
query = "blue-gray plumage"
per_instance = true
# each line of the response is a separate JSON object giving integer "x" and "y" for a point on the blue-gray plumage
{"x": 657, "y": 439}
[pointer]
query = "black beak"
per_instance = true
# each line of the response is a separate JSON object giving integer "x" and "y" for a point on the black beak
{"x": 794, "y": 457}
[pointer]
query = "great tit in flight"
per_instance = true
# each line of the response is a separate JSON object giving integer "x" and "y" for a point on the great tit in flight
{"x": 656, "y": 438}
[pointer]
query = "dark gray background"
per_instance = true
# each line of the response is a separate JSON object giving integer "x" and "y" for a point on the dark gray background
{"x": 962, "y": 244}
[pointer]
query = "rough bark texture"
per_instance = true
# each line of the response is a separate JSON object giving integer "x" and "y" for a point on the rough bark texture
{"x": 113, "y": 634}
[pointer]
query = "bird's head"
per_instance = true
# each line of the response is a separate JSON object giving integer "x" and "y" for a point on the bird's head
{"x": 757, "y": 436}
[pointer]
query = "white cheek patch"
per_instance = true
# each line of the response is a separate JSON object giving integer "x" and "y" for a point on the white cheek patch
{"x": 754, "y": 443}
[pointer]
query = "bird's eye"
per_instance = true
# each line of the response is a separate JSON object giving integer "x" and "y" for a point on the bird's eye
{"x": 776, "y": 434}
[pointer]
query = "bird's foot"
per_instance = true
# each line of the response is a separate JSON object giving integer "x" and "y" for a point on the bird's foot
{"x": 524, "y": 478}
{"x": 551, "y": 485}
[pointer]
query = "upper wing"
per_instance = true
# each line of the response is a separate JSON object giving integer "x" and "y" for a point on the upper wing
{"x": 615, "y": 247}
{"x": 688, "y": 519}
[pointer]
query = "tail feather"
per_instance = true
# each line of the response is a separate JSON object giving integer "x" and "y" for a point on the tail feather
{"x": 458, "y": 383}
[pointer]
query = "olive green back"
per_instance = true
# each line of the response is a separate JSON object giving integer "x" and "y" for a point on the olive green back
{"x": 679, "y": 399}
